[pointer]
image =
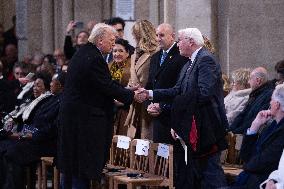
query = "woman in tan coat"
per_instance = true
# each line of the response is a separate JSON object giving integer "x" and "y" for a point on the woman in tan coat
{"x": 138, "y": 120}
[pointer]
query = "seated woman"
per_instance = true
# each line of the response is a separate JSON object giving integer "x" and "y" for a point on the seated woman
{"x": 236, "y": 100}
{"x": 261, "y": 151}
{"x": 120, "y": 71}
{"x": 19, "y": 121}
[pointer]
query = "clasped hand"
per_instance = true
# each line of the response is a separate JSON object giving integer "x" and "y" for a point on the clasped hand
{"x": 141, "y": 95}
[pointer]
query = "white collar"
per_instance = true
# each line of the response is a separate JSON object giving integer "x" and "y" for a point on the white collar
{"x": 167, "y": 51}
{"x": 194, "y": 54}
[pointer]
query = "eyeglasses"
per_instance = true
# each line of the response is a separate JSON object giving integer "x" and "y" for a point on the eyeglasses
{"x": 119, "y": 30}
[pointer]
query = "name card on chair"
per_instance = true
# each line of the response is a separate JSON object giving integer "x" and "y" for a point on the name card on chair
{"x": 163, "y": 151}
{"x": 142, "y": 147}
{"x": 123, "y": 142}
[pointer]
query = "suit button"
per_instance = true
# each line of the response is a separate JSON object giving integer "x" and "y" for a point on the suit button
{"x": 155, "y": 80}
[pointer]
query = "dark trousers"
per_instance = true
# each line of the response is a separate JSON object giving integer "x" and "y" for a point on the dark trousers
{"x": 15, "y": 176}
{"x": 204, "y": 173}
{"x": 73, "y": 182}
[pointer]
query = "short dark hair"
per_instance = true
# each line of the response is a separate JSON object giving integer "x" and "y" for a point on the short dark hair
{"x": 279, "y": 68}
{"x": 116, "y": 20}
{"x": 46, "y": 78}
{"x": 124, "y": 43}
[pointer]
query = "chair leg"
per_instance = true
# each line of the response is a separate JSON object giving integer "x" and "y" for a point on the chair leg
{"x": 56, "y": 178}
{"x": 28, "y": 175}
{"x": 130, "y": 186}
{"x": 43, "y": 165}
{"x": 39, "y": 176}
{"x": 110, "y": 182}
{"x": 115, "y": 184}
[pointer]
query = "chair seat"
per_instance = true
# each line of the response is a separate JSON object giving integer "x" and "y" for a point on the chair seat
{"x": 231, "y": 170}
{"x": 47, "y": 160}
{"x": 150, "y": 179}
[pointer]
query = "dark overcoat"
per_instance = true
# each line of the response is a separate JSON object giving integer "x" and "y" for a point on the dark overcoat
{"x": 86, "y": 114}
{"x": 162, "y": 77}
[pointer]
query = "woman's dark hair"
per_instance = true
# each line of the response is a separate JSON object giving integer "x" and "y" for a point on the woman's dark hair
{"x": 46, "y": 78}
{"x": 124, "y": 43}
{"x": 50, "y": 58}
{"x": 83, "y": 31}
{"x": 279, "y": 68}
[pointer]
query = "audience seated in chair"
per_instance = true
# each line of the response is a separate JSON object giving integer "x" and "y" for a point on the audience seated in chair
{"x": 261, "y": 152}
{"x": 236, "y": 100}
{"x": 276, "y": 178}
{"x": 258, "y": 100}
{"x": 37, "y": 139}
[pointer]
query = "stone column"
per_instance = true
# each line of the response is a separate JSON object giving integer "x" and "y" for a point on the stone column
{"x": 67, "y": 13}
{"x": 170, "y": 12}
{"x": 21, "y": 27}
{"x": 47, "y": 27}
{"x": 154, "y": 12}
{"x": 201, "y": 14}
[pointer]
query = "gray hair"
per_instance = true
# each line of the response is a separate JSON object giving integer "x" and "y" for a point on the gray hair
{"x": 261, "y": 73}
{"x": 194, "y": 34}
{"x": 278, "y": 95}
{"x": 99, "y": 30}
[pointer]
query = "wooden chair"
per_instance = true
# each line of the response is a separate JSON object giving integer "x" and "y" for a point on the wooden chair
{"x": 119, "y": 159}
{"x": 119, "y": 156}
{"x": 233, "y": 165}
{"x": 42, "y": 178}
{"x": 160, "y": 170}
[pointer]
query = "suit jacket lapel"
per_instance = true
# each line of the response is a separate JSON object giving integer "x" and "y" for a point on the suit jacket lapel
{"x": 167, "y": 61}
{"x": 196, "y": 61}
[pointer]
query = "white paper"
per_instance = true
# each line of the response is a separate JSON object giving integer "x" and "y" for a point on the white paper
{"x": 163, "y": 151}
{"x": 142, "y": 147}
{"x": 125, "y": 9}
{"x": 123, "y": 142}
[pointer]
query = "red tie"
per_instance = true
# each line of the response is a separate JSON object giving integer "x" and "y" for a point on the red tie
{"x": 193, "y": 135}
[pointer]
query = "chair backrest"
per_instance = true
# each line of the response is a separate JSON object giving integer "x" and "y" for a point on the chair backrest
{"x": 161, "y": 161}
{"x": 139, "y": 161}
{"x": 119, "y": 155}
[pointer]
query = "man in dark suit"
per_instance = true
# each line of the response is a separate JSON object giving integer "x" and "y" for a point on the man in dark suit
{"x": 86, "y": 113}
{"x": 261, "y": 151}
{"x": 164, "y": 71}
{"x": 201, "y": 80}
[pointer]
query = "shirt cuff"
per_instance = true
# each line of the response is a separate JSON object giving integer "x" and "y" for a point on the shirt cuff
{"x": 150, "y": 94}
{"x": 249, "y": 132}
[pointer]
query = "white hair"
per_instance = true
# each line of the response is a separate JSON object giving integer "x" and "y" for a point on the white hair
{"x": 194, "y": 34}
{"x": 99, "y": 30}
{"x": 278, "y": 95}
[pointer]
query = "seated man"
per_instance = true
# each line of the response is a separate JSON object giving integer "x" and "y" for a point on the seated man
{"x": 276, "y": 178}
{"x": 258, "y": 100}
{"x": 261, "y": 152}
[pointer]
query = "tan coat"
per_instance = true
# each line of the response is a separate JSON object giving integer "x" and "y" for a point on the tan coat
{"x": 138, "y": 121}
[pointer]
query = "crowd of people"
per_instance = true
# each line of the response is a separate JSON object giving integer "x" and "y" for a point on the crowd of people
{"x": 69, "y": 104}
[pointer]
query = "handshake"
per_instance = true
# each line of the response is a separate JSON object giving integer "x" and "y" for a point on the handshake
{"x": 141, "y": 95}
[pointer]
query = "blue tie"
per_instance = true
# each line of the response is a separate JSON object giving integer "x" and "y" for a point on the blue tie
{"x": 164, "y": 55}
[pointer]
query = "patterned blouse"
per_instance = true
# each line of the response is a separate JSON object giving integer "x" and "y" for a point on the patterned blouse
{"x": 116, "y": 70}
